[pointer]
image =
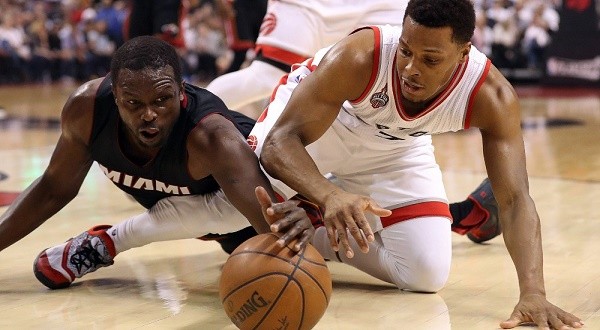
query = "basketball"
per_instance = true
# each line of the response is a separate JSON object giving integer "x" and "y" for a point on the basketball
{"x": 265, "y": 286}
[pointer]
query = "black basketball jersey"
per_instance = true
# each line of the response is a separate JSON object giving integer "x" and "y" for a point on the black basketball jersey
{"x": 167, "y": 174}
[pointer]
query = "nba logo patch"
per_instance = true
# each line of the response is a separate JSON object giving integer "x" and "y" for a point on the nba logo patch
{"x": 380, "y": 98}
{"x": 252, "y": 142}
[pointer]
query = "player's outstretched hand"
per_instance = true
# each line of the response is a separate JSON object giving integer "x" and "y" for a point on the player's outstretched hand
{"x": 535, "y": 309}
{"x": 345, "y": 215}
{"x": 286, "y": 218}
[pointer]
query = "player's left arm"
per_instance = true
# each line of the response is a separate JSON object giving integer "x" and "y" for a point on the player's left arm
{"x": 497, "y": 113}
{"x": 217, "y": 147}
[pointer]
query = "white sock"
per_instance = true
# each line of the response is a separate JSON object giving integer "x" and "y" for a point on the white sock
{"x": 143, "y": 229}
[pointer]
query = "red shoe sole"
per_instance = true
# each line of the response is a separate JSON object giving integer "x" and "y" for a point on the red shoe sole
{"x": 48, "y": 276}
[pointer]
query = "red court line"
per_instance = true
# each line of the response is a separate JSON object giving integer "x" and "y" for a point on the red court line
{"x": 6, "y": 198}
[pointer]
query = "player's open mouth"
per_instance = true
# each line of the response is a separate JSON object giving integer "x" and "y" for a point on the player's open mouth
{"x": 149, "y": 133}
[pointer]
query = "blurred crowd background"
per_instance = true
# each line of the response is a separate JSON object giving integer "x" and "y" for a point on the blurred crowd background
{"x": 73, "y": 40}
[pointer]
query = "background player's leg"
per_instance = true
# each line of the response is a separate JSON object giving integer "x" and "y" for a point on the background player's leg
{"x": 253, "y": 83}
{"x": 243, "y": 29}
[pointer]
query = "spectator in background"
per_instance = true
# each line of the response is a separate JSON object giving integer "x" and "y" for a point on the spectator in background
{"x": 207, "y": 54}
{"x": 114, "y": 14}
{"x": 538, "y": 34}
{"x": 15, "y": 54}
{"x": 497, "y": 11}
{"x": 43, "y": 64}
{"x": 68, "y": 50}
{"x": 29, "y": 46}
{"x": 505, "y": 51}
{"x": 483, "y": 34}
{"x": 94, "y": 45}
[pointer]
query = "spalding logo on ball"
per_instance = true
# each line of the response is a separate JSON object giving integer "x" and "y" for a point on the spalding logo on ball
{"x": 264, "y": 286}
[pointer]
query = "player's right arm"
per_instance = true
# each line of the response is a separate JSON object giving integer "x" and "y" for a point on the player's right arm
{"x": 343, "y": 74}
{"x": 60, "y": 182}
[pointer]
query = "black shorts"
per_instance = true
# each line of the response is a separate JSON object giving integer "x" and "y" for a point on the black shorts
{"x": 248, "y": 18}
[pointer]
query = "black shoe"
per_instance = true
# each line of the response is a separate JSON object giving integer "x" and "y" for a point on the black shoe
{"x": 483, "y": 196}
{"x": 231, "y": 241}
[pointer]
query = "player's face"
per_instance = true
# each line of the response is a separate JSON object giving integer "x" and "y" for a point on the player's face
{"x": 149, "y": 105}
{"x": 426, "y": 60}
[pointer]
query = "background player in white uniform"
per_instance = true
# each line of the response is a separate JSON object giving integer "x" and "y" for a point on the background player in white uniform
{"x": 364, "y": 111}
{"x": 291, "y": 32}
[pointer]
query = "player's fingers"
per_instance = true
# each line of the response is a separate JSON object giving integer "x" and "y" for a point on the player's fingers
{"x": 541, "y": 320}
{"x": 343, "y": 239}
{"x": 355, "y": 230}
{"x": 571, "y": 320}
{"x": 365, "y": 227}
{"x": 283, "y": 207}
{"x": 556, "y": 323}
{"x": 293, "y": 225}
{"x": 514, "y": 321}
{"x": 379, "y": 211}
{"x": 295, "y": 216}
{"x": 332, "y": 235}
{"x": 263, "y": 197}
{"x": 289, "y": 236}
{"x": 304, "y": 239}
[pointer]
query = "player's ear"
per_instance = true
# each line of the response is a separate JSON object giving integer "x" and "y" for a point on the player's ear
{"x": 464, "y": 51}
{"x": 181, "y": 90}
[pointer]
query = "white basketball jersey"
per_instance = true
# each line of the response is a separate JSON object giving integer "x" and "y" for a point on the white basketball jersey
{"x": 378, "y": 114}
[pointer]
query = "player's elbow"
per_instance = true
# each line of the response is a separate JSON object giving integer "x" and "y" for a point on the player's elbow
{"x": 270, "y": 156}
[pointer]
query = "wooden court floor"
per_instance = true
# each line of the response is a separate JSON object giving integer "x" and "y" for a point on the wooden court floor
{"x": 174, "y": 285}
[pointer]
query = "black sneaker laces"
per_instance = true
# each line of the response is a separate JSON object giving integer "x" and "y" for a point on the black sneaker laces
{"x": 87, "y": 256}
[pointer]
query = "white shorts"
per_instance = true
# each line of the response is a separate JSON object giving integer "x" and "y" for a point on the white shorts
{"x": 304, "y": 27}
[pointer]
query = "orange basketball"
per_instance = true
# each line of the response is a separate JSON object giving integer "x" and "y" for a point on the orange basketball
{"x": 264, "y": 286}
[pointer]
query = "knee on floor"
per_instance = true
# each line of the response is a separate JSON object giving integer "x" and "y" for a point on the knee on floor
{"x": 428, "y": 275}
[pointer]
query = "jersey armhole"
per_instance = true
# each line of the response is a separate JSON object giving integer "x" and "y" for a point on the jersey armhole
{"x": 467, "y": 122}
{"x": 376, "y": 61}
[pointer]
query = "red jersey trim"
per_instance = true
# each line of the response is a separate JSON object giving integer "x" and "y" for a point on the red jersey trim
{"x": 397, "y": 89}
{"x": 280, "y": 55}
{"x": 283, "y": 81}
{"x": 376, "y": 61}
{"x": 488, "y": 64}
{"x": 425, "y": 209}
{"x": 263, "y": 115}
